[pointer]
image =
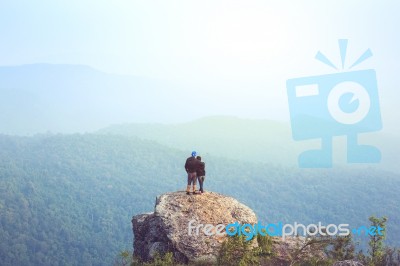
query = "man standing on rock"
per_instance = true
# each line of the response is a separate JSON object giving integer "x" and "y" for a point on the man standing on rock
{"x": 191, "y": 166}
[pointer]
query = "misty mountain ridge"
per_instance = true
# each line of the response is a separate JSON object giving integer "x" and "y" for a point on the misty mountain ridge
{"x": 252, "y": 140}
{"x": 63, "y": 98}
{"x": 224, "y": 136}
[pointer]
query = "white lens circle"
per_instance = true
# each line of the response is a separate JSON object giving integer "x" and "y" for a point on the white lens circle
{"x": 359, "y": 93}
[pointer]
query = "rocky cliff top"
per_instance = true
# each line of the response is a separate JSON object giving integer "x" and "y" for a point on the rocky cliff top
{"x": 166, "y": 229}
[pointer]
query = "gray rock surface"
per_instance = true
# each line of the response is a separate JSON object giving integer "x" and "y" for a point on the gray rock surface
{"x": 166, "y": 229}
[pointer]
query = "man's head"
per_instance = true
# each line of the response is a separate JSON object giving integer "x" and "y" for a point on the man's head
{"x": 198, "y": 158}
{"x": 194, "y": 154}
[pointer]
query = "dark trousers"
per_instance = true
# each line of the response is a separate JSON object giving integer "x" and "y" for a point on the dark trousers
{"x": 191, "y": 178}
{"x": 201, "y": 180}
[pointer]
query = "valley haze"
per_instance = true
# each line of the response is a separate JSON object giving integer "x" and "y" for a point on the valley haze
{"x": 101, "y": 102}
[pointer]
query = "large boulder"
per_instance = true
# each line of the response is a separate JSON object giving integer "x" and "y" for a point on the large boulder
{"x": 166, "y": 229}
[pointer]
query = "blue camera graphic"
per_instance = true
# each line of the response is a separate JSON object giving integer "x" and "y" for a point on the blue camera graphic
{"x": 338, "y": 104}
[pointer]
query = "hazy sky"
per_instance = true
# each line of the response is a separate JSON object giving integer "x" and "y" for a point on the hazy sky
{"x": 238, "y": 52}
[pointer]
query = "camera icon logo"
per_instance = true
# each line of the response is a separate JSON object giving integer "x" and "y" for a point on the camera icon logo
{"x": 338, "y": 104}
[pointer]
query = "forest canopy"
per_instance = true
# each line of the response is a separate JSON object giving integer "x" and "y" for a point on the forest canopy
{"x": 69, "y": 199}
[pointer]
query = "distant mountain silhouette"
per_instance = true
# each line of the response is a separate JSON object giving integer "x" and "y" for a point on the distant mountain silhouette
{"x": 62, "y": 98}
{"x": 76, "y": 98}
{"x": 252, "y": 140}
{"x": 230, "y": 137}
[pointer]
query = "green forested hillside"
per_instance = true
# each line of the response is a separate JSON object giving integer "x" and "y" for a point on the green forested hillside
{"x": 69, "y": 199}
